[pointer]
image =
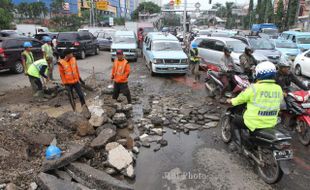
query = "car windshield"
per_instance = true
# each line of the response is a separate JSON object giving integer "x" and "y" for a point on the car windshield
{"x": 124, "y": 39}
{"x": 67, "y": 36}
{"x": 261, "y": 43}
{"x": 166, "y": 46}
{"x": 270, "y": 31}
{"x": 105, "y": 34}
{"x": 288, "y": 45}
{"x": 204, "y": 32}
{"x": 303, "y": 40}
{"x": 236, "y": 46}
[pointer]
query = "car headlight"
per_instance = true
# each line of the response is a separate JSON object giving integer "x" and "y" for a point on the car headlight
{"x": 158, "y": 61}
{"x": 183, "y": 61}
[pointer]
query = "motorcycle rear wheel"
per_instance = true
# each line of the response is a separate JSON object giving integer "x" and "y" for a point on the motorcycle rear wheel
{"x": 214, "y": 91}
{"x": 303, "y": 133}
{"x": 226, "y": 129}
{"x": 271, "y": 171}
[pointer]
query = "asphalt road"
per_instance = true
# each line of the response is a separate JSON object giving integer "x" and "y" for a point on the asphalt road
{"x": 201, "y": 156}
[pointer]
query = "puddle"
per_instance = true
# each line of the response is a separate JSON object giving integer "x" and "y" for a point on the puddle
{"x": 152, "y": 166}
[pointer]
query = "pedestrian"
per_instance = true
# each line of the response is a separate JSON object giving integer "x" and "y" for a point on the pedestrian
{"x": 120, "y": 74}
{"x": 29, "y": 35}
{"x": 54, "y": 45}
{"x": 37, "y": 70}
{"x": 70, "y": 76}
{"x": 194, "y": 62}
{"x": 27, "y": 56}
{"x": 48, "y": 52}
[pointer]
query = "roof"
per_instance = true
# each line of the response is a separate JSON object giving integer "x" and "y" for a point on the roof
{"x": 124, "y": 33}
{"x": 161, "y": 36}
{"x": 219, "y": 38}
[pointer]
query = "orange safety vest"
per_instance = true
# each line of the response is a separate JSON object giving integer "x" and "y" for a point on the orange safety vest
{"x": 69, "y": 71}
{"x": 120, "y": 71}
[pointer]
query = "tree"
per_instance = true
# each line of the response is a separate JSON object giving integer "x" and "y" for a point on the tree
{"x": 269, "y": 14}
{"x": 291, "y": 14}
{"x": 280, "y": 14}
{"x": 171, "y": 19}
{"x": 145, "y": 7}
{"x": 6, "y": 14}
{"x": 64, "y": 23}
{"x": 56, "y": 6}
{"x": 229, "y": 16}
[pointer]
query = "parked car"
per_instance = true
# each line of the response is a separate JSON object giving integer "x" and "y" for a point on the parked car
{"x": 126, "y": 41}
{"x": 262, "y": 46}
{"x": 49, "y": 34}
{"x": 288, "y": 49}
{"x": 211, "y": 50}
{"x": 11, "y": 49}
{"x": 163, "y": 54}
{"x": 302, "y": 39}
{"x": 301, "y": 64}
{"x": 82, "y": 43}
{"x": 105, "y": 38}
{"x": 9, "y": 34}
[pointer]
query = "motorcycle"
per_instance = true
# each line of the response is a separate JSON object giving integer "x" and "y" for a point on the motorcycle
{"x": 297, "y": 114}
{"x": 215, "y": 86}
{"x": 269, "y": 148}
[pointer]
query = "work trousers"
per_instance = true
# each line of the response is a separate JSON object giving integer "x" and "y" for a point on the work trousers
{"x": 121, "y": 88}
{"x": 78, "y": 89}
{"x": 194, "y": 66}
{"x": 36, "y": 83}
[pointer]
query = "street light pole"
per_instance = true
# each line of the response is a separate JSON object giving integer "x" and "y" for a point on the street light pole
{"x": 184, "y": 18}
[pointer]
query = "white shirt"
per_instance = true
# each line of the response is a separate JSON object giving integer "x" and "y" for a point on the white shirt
{"x": 54, "y": 42}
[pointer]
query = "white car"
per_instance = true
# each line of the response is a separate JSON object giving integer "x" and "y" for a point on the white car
{"x": 302, "y": 64}
{"x": 211, "y": 49}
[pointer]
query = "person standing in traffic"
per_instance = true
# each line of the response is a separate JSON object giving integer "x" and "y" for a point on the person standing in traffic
{"x": 70, "y": 77}
{"x": 194, "y": 62}
{"x": 54, "y": 45}
{"x": 37, "y": 70}
{"x": 120, "y": 74}
{"x": 48, "y": 52}
{"x": 27, "y": 56}
{"x": 227, "y": 66}
{"x": 247, "y": 61}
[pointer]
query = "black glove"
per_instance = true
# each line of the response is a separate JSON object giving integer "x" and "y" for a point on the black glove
{"x": 81, "y": 81}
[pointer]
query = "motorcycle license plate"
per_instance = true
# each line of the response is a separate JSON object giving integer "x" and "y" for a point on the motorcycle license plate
{"x": 283, "y": 154}
{"x": 305, "y": 105}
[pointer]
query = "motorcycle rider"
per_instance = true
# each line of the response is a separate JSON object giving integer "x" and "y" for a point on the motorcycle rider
{"x": 226, "y": 65}
{"x": 262, "y": 99}
{"x": 247, "y": 61}
{"x": 285, "y": 77}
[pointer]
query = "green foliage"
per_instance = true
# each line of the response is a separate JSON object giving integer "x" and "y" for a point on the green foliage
{"x": 269, "y": 14}
{"x": 171, "y": 19}
{"x": 280, "y": 14}
{"x": 230, "y": 20}
{"x": 291, "y": 13}
{"x": 63, "y": 23}
{"x": 145, "y": 7}
{"x": 32, "y": 10}
{"x": 56, "y": 6}
{"x": 6, "y": 14}
{"x": 119, "y": 21}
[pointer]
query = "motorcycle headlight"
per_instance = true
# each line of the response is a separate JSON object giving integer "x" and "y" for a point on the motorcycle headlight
{"x": 158, "y": 61}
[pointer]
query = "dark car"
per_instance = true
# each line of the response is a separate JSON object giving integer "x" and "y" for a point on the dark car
{"x": 9, "y": 34}
{"x": 11, "y": 49}
{"x": 262, "y": 46}
{"x": 104, "y": 38}
{"x": 41, "y": 35}
{"x": 82, "y": 43}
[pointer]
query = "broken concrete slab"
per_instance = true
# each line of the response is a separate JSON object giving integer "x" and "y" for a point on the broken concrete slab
{"x": 40, "y": 138}
{"x": 212, "y": 117}
{"x": 98, "y": 116}
{"x": 192, "y": 126}
{"x": 158, "y": 131}
{"x": 50, "y": 182}
{"x": 119, "y": 118}
{"x": 11, "y": 186}
{"x": 129, "y": 172}
{"x": 106, "y": 135}
{"x": 94, "y": 178}
{"x": 63, "y": 175}
{"x": 210, "y": 125}
{"x": 111, "y": 146}
{"x": 119, "y": 157}
{"x": 74, "y": 152}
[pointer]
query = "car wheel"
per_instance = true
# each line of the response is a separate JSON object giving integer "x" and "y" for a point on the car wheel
{"x": 17, "y": 67}
{"x": 97, "y": 51}
{"x": 298, "y": 70}
{"x": 82, "y": 54}
{"x": 151, "y": 70}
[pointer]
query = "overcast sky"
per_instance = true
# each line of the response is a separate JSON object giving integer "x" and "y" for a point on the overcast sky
{"x": 205, "y": 3}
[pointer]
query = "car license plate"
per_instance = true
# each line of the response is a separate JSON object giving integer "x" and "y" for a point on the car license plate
{"x": 62, "y": 48}
{"x": 305, "y": 105}
{"x": 283, "y": 154}
{"x": 171, "y": 68}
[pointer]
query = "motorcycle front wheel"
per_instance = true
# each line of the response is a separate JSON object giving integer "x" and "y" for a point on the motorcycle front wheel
{"x": 270, "y": 172}
{"x": 303, "y": 133}
{"x": 226, "y": 128}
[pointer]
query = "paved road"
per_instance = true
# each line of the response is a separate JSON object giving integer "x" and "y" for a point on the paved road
{"x": 205, "y": 161}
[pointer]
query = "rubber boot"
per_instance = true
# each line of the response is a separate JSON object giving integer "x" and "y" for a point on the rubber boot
{"x": 85, "y": 112}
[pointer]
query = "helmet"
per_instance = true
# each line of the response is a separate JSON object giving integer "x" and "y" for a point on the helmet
{"x": 194, "y": 45}
{"x": 119, "y": 52}
{"x": 265, "y": 70}
{"x": 227, "y": 49}
{"x": 284, "y": 62}
{"x": 52, "y": 152}
{"x": 46, "y": 39}
{"x": 248, "y": 49}
{"x": 27, "y": 44}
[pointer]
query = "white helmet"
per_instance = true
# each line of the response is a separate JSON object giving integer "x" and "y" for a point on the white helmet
{"x": 265, "y": 70}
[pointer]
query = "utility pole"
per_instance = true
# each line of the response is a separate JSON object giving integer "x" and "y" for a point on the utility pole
{"x": 184, "y": 18}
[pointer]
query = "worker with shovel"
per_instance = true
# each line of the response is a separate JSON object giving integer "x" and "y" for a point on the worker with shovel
{"x": 37, "y": 70}
{"x": 70, "y": 76}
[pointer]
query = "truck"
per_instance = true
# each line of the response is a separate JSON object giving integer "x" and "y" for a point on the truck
{"x": 269, "y": 29}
